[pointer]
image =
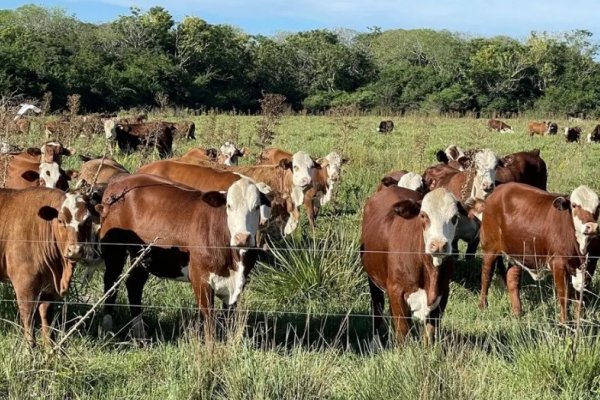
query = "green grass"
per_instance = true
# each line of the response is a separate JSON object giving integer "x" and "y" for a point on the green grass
{"x": 306, "y": 331}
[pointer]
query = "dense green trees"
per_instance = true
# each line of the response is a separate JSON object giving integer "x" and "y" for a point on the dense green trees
{"x": 131, "y": 60}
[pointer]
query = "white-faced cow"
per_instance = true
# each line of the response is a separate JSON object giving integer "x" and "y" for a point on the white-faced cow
{"x": 572, "y": 135}
{"x": 386, "y": 126}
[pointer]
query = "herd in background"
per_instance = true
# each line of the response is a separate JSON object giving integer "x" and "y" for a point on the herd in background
{"x": 206, "y": 219}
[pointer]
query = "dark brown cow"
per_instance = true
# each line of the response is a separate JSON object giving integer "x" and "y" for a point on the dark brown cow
{"x": 523, "y": 167}
{"x": 405, "y": 244}
{"x": 498, "y": 126}
{"x": 206, "y": 238}
{"x": 386, "y": 126}
{"x": 572, "y": 135}
{"x": 44, "y": 233}
{"x": 594, "y": 137}
{"x": 132, "y": 137}
{"x": 537, "y": 231}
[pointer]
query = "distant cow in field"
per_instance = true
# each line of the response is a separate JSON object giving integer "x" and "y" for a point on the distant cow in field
{"x": 498, "y": 126}
{"x": 386, "y": 126}
{"x": 132, "y": 137}
{"x": 539, "y": 128}
{"x": 185, "y": 129}
{"x": 205, "y": 238}
{"x": 572, "y": 135}
{"x": 44, "y": 233}
{"x": 538, "y": 231}
{"x": 594, "y": 137}
{"x": 405, "y": 249}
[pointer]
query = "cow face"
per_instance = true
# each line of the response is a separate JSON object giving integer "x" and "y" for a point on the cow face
{"x": 333, "y": 162}
{"x": 230, "y": 154}
{"x": 53, "y": 152}
{"x": 302, "y": 170}
{"x": 243, "y": 212}
{"x": 76, "y": 231}
{"x": 486, "y": 163}
{"x": 411, "y": 181}
{"x": 584, "y": 206}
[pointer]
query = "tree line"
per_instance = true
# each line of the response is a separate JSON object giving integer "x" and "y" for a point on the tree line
{"x": 147, "y": 58}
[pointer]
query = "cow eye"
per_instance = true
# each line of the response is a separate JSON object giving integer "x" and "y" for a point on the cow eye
{"x": 295, "y": 168}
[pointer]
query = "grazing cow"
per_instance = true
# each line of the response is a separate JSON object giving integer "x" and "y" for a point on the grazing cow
{"x": 498, "y": 126}
{"x": 405, "y": 244}
{"x": 594, "y": 137}
{"x": 537, "y": 231}
{"x": 572, "y": 134}
{"x": 98, "y": 171}
{"x": 435, "y": 174}
{"x": 283, "y": 214}
{"x": 206, "y": 238}
{"x": 475, "y": 183}
{"x": 542, "y": 128}
{"x": 185, "y": 129}
{"x": 386, "y": 126}
{"x": 132, "y": 137}
{"x": 44, "y": 233}
{"x": 325, "y": 178}
{"x": 523, "y": 167}
{"x": 404, "y": 179}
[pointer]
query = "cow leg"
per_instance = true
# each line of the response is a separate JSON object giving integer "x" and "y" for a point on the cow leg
{"x": 135, "y": 287}
{"x": 26, "y": 301}
{"x": 310, "y": 209}
{"x": 204, "y": 297}
{"x": 559, "y": 273}
{"x": 471, "y": 249}
{"x": 377, "y": 303}
{"x": 434, "y": 318}
{"x": 513, "y": 281}
{"x": 400, "y": 313}
{"x": 114, "y": 259}
{"x": 487, "y": 270}
{"x": 45, "y": 310}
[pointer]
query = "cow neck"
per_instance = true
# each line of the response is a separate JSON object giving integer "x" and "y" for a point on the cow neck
{"x": 53, "y": 259}
{"x": 431, "y": 273}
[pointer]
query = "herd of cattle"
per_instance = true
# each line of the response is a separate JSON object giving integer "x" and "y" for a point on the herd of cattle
{"x": 206, "y": 219}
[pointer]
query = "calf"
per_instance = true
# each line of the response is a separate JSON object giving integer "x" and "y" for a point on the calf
{"x": 44, "y": 233}
{"x": 405, "y": 244}
{"x": 498, "y": 126}
{"x": 206, "y": 238}
{"x": 572, "y": 134}
{"x": 594, "y": 137}
{"x": 542, "y": 128}
{"x": 537, "y": 231}
{"x": 386, "y": 126}
{"x": 132, "y": 137}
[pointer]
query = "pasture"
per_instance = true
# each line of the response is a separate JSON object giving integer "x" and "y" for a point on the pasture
{"x": 302, "y": 329}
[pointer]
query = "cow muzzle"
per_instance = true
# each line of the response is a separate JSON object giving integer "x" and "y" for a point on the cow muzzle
{"x": 241, "y": 239}
{"x": 438, "y": 248}
{"x": 591, "y": 228}
{"x": 74, "y": 252}
{"x": 487, "y": 187}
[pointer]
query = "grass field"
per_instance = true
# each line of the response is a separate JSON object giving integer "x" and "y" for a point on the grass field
{"x": 303, "y": 326}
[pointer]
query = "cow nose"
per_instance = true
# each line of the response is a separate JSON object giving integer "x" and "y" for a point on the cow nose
{"x": 305, "y": 181}
{"x": 74, "y": 251}
{"x": 241, "y": 239}
{"x": 591, "y": 228}
{"x": 438, "y": 247}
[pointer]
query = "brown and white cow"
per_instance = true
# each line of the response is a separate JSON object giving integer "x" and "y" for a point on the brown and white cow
{"x": 132, "y": 137}
{"x": 386, "y": 126}
{"x": 537, "y": 231}
{"x": 206, "y": 238}
{"x": 405, "y": 249}
{"x": 21, "y": 173}
{"x": 594, "y": 137}
{"x": 498, "y": 126}
{"x": 404, "y": 179}
{"x": 44, "y": 233}
{"x": 572, "y": 135}
{"x": 542, "y": 128}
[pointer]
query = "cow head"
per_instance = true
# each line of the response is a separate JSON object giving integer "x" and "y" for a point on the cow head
{"x": 52, "y": 176}
{"x": 230, "y": 154}
{"x": 244, "y": 201}
{"x": 485, "y": 164}
{"x": 438, "y": 213}
{"x": 333, "y": 162}
{"x": 76, "y": 231}
{"x": 53, "y": 152}
{"x": 552, "y": 128}
{"x": 302, "y": 166}
{"x": 411, "y": 181}
{"x": 585, "y": 207}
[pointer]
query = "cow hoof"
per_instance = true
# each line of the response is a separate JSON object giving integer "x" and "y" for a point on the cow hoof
{"x": 107, "y": 323}
{"x": 138, "y": 330}
{"x": 483, "y": 305}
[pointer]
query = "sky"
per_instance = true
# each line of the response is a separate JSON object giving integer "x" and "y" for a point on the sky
{"x": 514, "y": 18}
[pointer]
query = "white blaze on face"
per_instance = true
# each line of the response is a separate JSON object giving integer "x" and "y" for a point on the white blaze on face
{"x": 417, "y": 301}
{"x": 439, "y": 215}
{"x": 485, "y": 169}
{"x": 49, "y": 174}
{"x": 228, "y": 150}
{"x": 411, "y": 181}
{"x": 589, "y": 138}
{"x": 75, "y": 217}
{"x": 584, "y": 203}
{"x": 333, "y": 162}
{"x": 302, "y": 169}
{"x": 243, "y": 212}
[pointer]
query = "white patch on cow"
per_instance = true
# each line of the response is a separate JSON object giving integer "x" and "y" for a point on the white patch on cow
{"x": 110, "y": 131}
{"x": 228, "y": 289}
{"x": 70, "y": 203}
{"x": 417, "y": 301}
{"x": 589, "y": 138}
{"x": 578, "y": 281}
{"x": 485, "y": 162}
{"x": 290, "y": 225}
{"x": 411, "y": 181}
{"x": 49, "y": 174}
{"x": 452, "y": 151}
{"x": 185, "y": 274}
{"x": 229, "y": 150}
{"x": 588, "y": 200}
{"x": 297, "y": 196}
{"x": 302, "y": 169}
{"x": 442, "y": 211}
{"x": 243, "y": 211}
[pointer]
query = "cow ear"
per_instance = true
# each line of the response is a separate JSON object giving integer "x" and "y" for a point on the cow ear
{"x": 48, "y": 213}
{"x": 561, "y": 203}
{"x": 321, "y": 162}
{"x": 71, "y": 173}
{"x": 407, "y": 209}
{"x": 67, "y": 151}
{"x": 389, "y": 181}
{"x": 286, "y": 163}
{"x": 265, "y": 200}
{"x": 214, "y": 199}
{"x": 464, "y": 162}
{"x": 34, "y": 151}
{"x": 30, "y": 176}
{"x": 442, "y": 157}
{"x": 500, "y": 163}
